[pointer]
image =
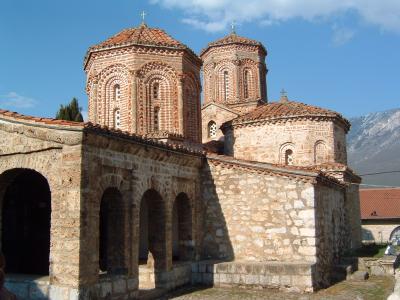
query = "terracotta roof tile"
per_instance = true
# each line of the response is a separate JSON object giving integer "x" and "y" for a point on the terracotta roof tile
{"x": 142, "y": 35}
{"x": 62, "y": 124}
{"x": 233, "y": 38}
{"x": 48, "y": 121}
{"x": 380, "y": 203}
{"x": 289, "y": 109}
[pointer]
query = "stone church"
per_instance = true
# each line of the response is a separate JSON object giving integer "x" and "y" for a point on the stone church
{"x": 159, "y": 190}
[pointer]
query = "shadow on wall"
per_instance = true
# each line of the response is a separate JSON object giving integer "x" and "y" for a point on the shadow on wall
{"x": 216, "y": 241}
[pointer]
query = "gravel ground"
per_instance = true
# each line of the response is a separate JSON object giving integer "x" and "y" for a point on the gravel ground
{"x": 375, "y": 288}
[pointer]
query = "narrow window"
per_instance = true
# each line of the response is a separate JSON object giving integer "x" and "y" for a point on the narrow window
{"x": 212, "y": 129}
{"x": 117, "y": 92}
{"x": 246, "y": 84}
{"x": 156, "y": 90}
{"x": 117, "y": 119}
{"x": 226, "y": 85}
{"x": 157, "y": 119}
{"x": 289, "y": 157}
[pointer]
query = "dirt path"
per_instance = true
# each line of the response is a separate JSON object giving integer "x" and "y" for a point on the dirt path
{"x": 376, "y": 288}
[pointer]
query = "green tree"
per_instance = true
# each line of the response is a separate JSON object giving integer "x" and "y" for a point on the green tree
{"x": 70, "y": 112}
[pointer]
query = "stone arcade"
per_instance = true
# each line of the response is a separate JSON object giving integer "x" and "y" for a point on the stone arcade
{"x": 132, "y": 200}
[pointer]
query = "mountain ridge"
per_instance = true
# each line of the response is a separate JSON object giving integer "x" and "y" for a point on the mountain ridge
{"x": 374, "y": 146}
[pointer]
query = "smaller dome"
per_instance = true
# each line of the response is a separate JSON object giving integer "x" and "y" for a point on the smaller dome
{"x": 233, "y": 38}
{"x": 287, "y": 110}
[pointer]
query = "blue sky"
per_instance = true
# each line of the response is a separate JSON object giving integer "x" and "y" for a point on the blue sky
{"x": 343, "y": 55}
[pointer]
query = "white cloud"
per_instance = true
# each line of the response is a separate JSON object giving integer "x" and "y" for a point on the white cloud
{"x": 215, "y": 15}
{"x": 342, "y": 35}
{"x": 14, "y": 100}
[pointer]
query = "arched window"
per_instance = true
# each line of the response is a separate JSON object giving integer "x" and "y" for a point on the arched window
{"x": 117, "y": 119}
{"x": 156, "y": 90}
{"x": 246, "y": 84}
{"x": 320, "y": 153}
{"x": 156, "y": 119}
{"x": 117, "y": 93}
{"x": 212, "y": 129}
{"x": 226, "y": 85}
{"x": 289, "y": 157}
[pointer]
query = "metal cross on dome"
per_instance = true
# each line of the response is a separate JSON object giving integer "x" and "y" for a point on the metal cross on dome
{"x": 283, "y": 93}
{"x": 143, "y": 15}
{"x": 233, "y": 27}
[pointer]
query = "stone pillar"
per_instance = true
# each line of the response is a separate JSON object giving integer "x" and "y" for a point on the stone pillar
{"x": 94, "y": 102}
{"x": 180, "y": 103}
{"x": 134, "y": 102}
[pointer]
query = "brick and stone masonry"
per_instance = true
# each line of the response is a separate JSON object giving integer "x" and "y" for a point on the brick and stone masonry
{"x": 132, "y": 200}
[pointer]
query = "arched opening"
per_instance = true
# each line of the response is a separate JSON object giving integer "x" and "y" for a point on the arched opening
{"x": 152, "y": 245}
{"x": 112, "y": 232}
{"x": 26, "y": 216}
{"x": 395, "y": 234}
{"x": 320, "y": 153}
{"x": 212, "y": 129}
{"x": 182, "y": 241}
{"x": 289, "y": 157}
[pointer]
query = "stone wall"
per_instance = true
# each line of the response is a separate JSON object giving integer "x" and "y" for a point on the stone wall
{"x": 304, "y": 137}
{"x": 333, "y": 239}
{"x": 378, "y": 231}
{"x": 257, "y": 216}
{"x": 134, "y": 169}
{"x": 55, "y": 153}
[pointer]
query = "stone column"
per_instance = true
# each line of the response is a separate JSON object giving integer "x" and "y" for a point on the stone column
{"x": 134, "y": 102}
{"x": 180, "y": 103}
{"x": 94, "y": 102}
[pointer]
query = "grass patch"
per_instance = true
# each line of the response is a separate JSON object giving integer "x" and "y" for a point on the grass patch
{"x": 371, "y": 250}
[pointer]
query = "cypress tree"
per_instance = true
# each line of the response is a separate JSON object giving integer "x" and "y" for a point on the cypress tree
{"x": 70, "y": 112}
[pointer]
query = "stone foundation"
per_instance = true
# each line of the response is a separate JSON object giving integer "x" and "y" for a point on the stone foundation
{"x": 295, "y": 276}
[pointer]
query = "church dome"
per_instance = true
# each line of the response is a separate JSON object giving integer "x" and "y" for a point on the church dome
{"x": 140, "y": 36}
{"x": 233, "y": 39}
{"x": 288, "y": 109}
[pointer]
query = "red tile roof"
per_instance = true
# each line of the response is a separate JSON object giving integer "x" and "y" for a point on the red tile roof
{"x": 141, "y": 35}
{"x": 233, "y": 38}
{"x": 48, "y": 121}
{"x": 288, "y": 109}
{"x": 380, "y": 203}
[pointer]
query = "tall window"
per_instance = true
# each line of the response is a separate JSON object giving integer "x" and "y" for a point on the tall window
{"x": 289, "y": 157}
{"x": 156, "y": 119}
{"x": 117, "y": 92}
{"x": 320, "y": 153}
{"x": 226, "y": 85}
{"x": 212, "y": 129}
{"x": 117, "y": 119}
{"x": 156, "y": 90}
{"x": 246, "y": 84}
